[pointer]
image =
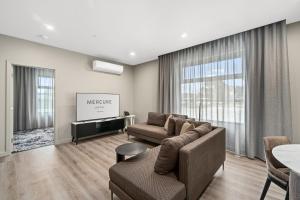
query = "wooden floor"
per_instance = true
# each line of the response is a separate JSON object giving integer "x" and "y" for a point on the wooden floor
{"x": 81, "y": 172}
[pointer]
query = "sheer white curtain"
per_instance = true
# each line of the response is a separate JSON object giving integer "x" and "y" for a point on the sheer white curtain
{"x": 212, "y": 86}
{"x": 33, "y": 98}
{"x": 214, "y": 89}
{"x": 45, "y": 97}
{"x": 207, "y": 82}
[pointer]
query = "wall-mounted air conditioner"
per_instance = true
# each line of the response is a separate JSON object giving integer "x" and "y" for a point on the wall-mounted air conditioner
{"x": 106, "y": 67}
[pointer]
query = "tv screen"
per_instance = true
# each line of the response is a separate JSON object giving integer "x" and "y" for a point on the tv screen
{"x": 97, "y": 106}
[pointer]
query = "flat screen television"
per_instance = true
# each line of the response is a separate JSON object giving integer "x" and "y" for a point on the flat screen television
{"x": 91, "y": 106}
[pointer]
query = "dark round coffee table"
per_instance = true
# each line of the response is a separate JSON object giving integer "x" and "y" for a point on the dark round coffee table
{"x": 129, "y": 149}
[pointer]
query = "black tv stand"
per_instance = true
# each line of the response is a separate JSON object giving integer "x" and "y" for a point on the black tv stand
{"x": 86, "y": 129}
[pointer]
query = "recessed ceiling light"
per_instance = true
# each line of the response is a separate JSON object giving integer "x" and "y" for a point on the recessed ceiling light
{"x": 184, "y": 35}
{"x": 49, "y": 27}
{"x": 132, "y": 53}
{"x": 44, "y": 37}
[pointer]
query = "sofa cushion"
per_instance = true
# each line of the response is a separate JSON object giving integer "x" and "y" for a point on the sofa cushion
{"x": 168, "y": 156}
{"x": 136, "y": 177}
{"x": 167, "y": 122}
{"x": 177, "y": 115}
{"x": 171, "y": 127}
{"x": 148, "y": 130}
{"x": 203, "y": 129}
{"x": 198, "y": 123}
{"x": 157, "y": 119}
{"x": 179, "y": 123}
{"x": 186, "y": 127}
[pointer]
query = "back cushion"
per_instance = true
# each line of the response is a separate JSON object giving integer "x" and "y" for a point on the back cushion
{"x": 167, "y": 122}
{"x": 171, "y": 127}
{"x": 180, "y": 116}
{"x": 198, "y": 123}
{"x": 203, "y": 129}
{"x": 157, "y": 119}
{"x": 177, "y": 115}
{"x": 169, "y": 152}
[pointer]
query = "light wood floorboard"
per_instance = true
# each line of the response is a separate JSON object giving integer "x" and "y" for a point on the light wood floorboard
{"x": 81, "y": 172}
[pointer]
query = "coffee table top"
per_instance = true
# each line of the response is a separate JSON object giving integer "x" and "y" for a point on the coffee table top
{"x": 131, "y": 149}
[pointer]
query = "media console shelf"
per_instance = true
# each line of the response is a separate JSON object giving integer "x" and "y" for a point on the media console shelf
{"x": 96, "y": 127}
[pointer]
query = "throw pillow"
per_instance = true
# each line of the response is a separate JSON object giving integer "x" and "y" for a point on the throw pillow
{"x": 167, "y": 158}
{"x": 179, "y": 123}
{"x": 157, "y": 119}
{"x": 171, "y": 127}
{"x": 203, "y": 129}
{"x": 167, "y": 122}
{"x": 186, "y": 127}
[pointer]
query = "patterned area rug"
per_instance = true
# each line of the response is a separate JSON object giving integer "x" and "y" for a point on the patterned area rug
{"x": 26, "y": 140}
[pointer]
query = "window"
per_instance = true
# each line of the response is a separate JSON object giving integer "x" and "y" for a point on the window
{"x": 214, "y": 91}
{"x": 45, "y": 94}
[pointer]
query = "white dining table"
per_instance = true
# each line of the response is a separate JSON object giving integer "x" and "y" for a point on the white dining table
{"x": 289, "y": 155}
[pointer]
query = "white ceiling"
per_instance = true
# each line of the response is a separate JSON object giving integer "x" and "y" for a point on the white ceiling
{"x": 111, "y": 29}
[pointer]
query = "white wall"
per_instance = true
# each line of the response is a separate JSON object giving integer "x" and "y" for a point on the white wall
{"x": 145, "y": 89}
{"x": 293, "y": 37}
{"x": 72, "y": 73}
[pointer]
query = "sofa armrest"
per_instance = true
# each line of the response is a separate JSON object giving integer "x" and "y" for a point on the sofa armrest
{"x": 199, "y": 161}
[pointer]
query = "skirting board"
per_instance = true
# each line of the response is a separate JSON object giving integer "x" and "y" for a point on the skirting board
{"x": 57, "y": 142}
{"x": 2, "y": 154}
{"x": 63, "y": 141}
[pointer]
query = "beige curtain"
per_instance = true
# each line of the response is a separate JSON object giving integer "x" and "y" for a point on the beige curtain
{"x": 207, "y": 82}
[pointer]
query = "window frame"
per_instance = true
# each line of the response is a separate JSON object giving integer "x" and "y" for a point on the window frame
{"x": 39, "y": 94}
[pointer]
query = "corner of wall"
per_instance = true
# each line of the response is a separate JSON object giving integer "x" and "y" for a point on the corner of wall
{"x": 145, "y": 89}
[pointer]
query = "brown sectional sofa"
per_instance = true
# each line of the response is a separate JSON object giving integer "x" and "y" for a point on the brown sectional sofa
{"x": 152, "y": 133}
{"x": 135, "y": 179}
{"x": 147, "y": 132}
